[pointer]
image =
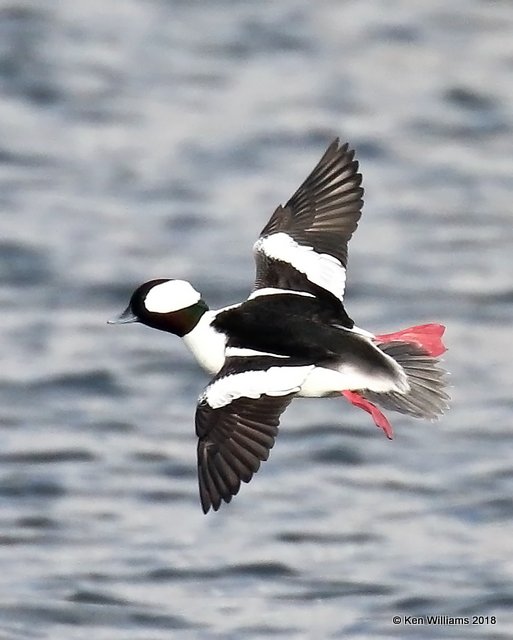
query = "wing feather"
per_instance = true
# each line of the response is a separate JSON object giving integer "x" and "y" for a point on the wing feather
{"x": 321, "y": 216}
{"x": 237, "y": 421}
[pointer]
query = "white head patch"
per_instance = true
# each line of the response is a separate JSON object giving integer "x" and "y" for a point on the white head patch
{"x": 171, "y": 296}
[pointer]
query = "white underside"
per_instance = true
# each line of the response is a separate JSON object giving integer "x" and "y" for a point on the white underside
{"x": 325, "y": 382}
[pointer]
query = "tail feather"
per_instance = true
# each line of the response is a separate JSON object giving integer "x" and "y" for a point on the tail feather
{"x": 426, "y": 397}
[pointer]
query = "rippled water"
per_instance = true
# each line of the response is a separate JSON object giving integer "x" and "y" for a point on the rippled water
{"x": 153, "y": 138}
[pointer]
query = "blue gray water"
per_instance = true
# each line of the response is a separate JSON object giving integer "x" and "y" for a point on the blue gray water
{"x": 150, "y": 138}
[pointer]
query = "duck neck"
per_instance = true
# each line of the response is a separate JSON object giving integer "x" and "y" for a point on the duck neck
{"x": 206, "y": 344}
{"x": 185, "y": 320}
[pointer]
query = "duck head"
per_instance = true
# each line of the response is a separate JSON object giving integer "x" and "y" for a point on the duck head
{"x": 168, "y": 305}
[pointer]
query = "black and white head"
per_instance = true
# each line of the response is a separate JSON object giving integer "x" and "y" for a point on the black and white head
{"x": 169, "y": 305}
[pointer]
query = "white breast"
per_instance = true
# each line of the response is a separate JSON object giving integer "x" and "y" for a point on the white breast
{"x": 206, "y": 344}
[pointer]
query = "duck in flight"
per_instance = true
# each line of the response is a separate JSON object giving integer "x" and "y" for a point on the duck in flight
{"x": 291, "y": 336}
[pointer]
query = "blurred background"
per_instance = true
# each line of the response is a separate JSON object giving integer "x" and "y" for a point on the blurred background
{"x": 154, "y": 138}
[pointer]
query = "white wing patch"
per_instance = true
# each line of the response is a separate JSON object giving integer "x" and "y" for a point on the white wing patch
{"x": 243, "y": 352}
{"x": 320, "y": 268}
{"x": 275, "y": 381}
{"x": 270, "y": 291}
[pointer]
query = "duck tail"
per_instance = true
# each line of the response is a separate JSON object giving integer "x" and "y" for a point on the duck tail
{"x": 426, "y": 396}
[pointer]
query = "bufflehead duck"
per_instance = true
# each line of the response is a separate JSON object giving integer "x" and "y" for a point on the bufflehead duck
{"x": 292, "y": 336}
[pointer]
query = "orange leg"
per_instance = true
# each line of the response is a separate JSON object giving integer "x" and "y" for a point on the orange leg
{"x": 379, "y": 418}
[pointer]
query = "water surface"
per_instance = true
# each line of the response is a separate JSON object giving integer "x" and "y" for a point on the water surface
{"x": 153, "y": 139}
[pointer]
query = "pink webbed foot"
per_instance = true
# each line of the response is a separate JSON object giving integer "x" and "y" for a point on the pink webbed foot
{"x": 379, "y": 418}
{"x": 427, "y": 336}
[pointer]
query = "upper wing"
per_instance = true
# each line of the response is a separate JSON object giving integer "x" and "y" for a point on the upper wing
{"x": 237, "y": 421}
{"x": 304, "y": 244}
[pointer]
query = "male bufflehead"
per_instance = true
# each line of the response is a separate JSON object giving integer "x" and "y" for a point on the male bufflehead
{"x": 292, "y": 336}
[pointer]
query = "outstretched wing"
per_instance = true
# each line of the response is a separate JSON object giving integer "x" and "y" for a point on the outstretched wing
{"x": 304, "y": 245}
{"x": 237, "y": 421}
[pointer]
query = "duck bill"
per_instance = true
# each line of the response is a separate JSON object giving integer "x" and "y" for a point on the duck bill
{"x": 125, "y": 318}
